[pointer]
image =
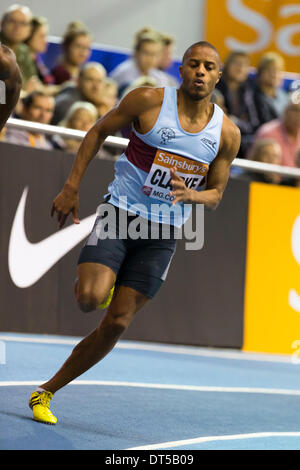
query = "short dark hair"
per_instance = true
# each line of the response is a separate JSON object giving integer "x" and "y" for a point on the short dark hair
{"x": 201, "y": 44}
{"x": 29, "y": 99}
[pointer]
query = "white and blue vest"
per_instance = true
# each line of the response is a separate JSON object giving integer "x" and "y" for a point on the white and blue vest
{"x": 142, "y": 173}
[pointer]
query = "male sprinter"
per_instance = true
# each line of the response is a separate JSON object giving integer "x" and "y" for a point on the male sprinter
{"x": 169, "y": 125}
{"x": 11, "y": 83}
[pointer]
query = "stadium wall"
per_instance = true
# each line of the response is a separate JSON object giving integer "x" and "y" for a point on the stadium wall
{"x": 201, "y": 303}
{"x": 241, "y": 290}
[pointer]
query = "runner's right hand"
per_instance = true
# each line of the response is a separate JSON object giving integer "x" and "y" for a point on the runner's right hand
{"x": 67, "y": 201}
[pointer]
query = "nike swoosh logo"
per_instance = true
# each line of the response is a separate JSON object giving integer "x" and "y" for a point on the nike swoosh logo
{"x": 28, "y": 262}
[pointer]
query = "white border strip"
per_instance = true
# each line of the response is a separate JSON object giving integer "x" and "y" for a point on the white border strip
{"x": 153, "y": 347}
{"x": 191, "y": 388}
{"x": 201, "y": 440}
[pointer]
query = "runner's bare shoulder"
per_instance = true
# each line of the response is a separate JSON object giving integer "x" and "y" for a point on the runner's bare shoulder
{"x": 143, "y": 99}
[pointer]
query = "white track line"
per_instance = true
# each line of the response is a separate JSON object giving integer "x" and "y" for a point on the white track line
{"x": 181, "y": 350}
{"x": 200, "y": 440}
{"x": 191, "y": 388}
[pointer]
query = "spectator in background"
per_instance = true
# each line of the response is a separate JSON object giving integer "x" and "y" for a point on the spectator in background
{"x": 145, "y": 61}
{"x": 270, "y": 99}
{"x": 108, "y": 97}
{"x": 37, "y": 43}
{"x": 2, "y": 134}
{"x": 237, "y": 90}
{"x": 37, "y": 107}
{"x": 266, "y": 151}
{"x": 166, "y": 60}
{"x": 15, "y": 29}
{"x": 139, "y": 82}
{"x": 218, "y": 98}
{"x": 88, "y": 88}
{"x": 81, "y": 116}
{"x": 286, "y": 131}
{"x": 76, "y": 49}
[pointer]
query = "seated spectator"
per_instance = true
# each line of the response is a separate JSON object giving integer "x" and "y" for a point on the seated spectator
{"x": 237, "y": 90}
{"x": 88, "y": 88}
{"x": 76, "y": 50}
{"x": 81, "y": 116}
{"x": 38, "y": 44}
{"x": 139, "y": 82}
{"x": 145, "y": 61}
{"x": 108, "y": 97}
{"x": 286, "y": 131}
{"x": 218, "y": 98}
{"x": 166, "y": 60}
{"x": 3, "y": 134}
{"x": 266, "y": 151}
{"x": 269, "y": 98}
{"x": 15, "y": 29}
{"x": 37, "y": 107}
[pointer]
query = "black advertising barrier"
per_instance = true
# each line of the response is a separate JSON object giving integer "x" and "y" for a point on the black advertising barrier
{"x": 201, "y": 303}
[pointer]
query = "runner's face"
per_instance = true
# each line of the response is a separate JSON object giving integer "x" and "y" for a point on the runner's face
{"x": 200, "y": 72}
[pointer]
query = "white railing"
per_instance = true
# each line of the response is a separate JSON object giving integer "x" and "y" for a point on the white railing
{"x": 121, "y": 143}
{"x": 61, "y": 131}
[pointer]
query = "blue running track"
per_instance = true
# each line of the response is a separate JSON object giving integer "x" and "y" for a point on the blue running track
{"x": 150, "y": 396}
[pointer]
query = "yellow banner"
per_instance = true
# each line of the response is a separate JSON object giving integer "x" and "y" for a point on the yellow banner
{"x": 256, "y": 26}
{"x": 272, "y": 293}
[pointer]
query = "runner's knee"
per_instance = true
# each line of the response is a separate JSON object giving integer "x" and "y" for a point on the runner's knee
{"x": 120, "y": 319}
{"x": 89, "y": 298}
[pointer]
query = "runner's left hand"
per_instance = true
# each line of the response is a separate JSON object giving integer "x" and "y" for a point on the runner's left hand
{"x": 182, "y": 193}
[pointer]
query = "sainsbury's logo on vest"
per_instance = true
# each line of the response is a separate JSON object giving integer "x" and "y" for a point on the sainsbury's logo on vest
{"x": 181, "y": 163}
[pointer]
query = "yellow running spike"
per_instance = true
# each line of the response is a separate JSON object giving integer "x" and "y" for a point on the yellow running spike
{"x": 39, "y": 403}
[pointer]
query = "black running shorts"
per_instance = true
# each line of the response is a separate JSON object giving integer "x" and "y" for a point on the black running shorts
{"x": 141, "y": 263}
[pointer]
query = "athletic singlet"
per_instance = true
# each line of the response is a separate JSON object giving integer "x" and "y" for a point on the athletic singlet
{"x": 142, "y": 173}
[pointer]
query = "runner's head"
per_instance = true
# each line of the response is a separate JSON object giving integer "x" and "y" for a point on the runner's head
{"x": 200, "y": 70}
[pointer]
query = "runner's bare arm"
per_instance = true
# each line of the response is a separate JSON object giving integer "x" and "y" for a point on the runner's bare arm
{"x": 11, "y": 77}
{"x": 133, "y": 105}
{"x": 218, "y": 174}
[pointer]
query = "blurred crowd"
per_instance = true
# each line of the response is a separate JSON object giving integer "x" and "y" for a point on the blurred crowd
{"x": 77, "y": 91}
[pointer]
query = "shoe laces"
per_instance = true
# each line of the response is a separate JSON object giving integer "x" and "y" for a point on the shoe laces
{"x": 45, "y": 398}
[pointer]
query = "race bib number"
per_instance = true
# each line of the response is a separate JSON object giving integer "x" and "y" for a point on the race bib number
{"x": 158, "y": 183}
